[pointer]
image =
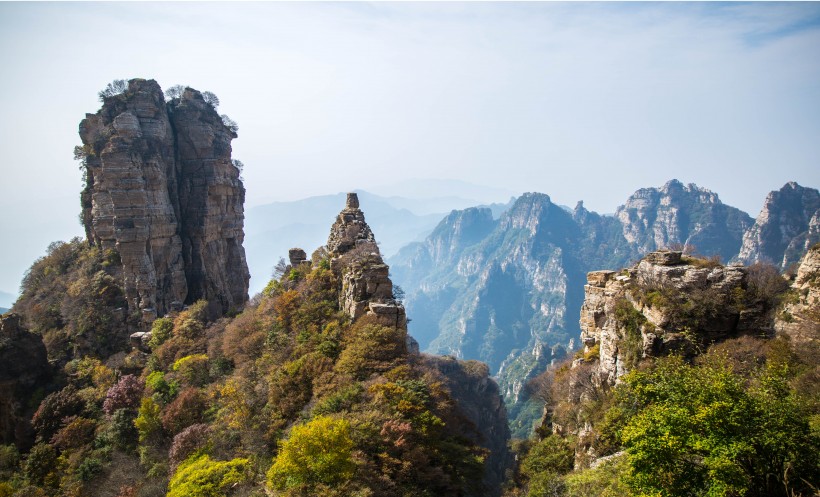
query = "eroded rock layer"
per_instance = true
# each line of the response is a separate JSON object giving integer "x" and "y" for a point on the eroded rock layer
{"x": 162, "y": 190}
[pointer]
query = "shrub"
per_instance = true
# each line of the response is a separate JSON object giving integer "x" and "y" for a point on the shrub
{"x": 148, "y": 421}
{"x": 113, "y": 88}
{"x": 316, "y": 452}
{"x": 187, "y": 442}
{"x": 186, "y": 410}
{"x": 161, "y": 331}
{"x": 75, "y": 434}
{"x": 200, "y": 476}
{"x": 126, "y": 394}
{"x": 192, "y": 369}
{"x": 122, "y": 430}
{"x": 40, "y": 465}
{"x": 53, "y": 409}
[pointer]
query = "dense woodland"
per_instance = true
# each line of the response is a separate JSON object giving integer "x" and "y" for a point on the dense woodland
{"x": 289, "y": 397}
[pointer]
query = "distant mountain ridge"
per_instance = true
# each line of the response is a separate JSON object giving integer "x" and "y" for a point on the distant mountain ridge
{"x": 509, "y": 291}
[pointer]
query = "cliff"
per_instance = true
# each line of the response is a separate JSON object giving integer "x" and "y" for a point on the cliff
{"x": 788, "y": 224}
{"x": 800, "y": 318}
{"x": 667, "y": 303}
{"x": 161, "y": 189}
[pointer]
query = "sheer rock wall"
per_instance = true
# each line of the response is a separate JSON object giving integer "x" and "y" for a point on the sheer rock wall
{"x": 161, "y": 189}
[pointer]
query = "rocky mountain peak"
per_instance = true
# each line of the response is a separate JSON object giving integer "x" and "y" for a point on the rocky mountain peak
{"x": 678, "y": 214}
{"x": 786, "y": 227}
{"x": 162, "y": 191}
{"x": 366, "y": 288}
{"x": 350, "y": 229}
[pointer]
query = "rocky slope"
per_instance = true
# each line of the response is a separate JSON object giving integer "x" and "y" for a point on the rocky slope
{"x": 800, "y": 319}
{"x": 367, "y": 290}
{"x": 665, "y": 303}
{"x": 161, "y": 189}
{"x": 786, "y": 227}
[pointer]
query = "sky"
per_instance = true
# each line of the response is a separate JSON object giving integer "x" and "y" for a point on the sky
{"x": 582, "y": 101}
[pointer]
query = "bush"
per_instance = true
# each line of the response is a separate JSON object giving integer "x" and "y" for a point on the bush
{"x": 161, "y": 331}
{"x": 318, "y": 452}
{"x": 186, "y": 410}
{"x": 201, "y": 476}
{"x": 54, "y": 409}
{"x": 126, "y": 394}
{"x": 187, "y": 442}
{"x": 192, "y": 369}
{"x": 113, "y": 88}
{"x": 40, "y": 465}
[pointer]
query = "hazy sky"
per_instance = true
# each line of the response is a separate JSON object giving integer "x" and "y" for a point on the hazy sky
{"x": 583, "y": 101}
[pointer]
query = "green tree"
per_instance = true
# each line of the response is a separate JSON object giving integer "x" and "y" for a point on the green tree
{"x": 318, "y": 452}
{"x": 700, "y": 430}
{"x": 201, "y": 476}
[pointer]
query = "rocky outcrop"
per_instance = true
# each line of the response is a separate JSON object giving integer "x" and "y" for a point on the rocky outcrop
{"x": 479, "y": 401}
{"x": 686, "y": 215}
{"x": 666, "y": 303}
{"x": 162, "y": 190}
{"x": 24, "y": 367}
{"x": 786, "y": 227}
{"x": 366, "y": 288}
{"x": 800, "y": 318}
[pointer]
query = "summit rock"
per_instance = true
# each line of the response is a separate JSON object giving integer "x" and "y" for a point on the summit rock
{"x": 162, "y": 190}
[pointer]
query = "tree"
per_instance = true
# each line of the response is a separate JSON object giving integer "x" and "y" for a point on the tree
{"x": 175, "y": 91}
{"x": 201, "y": 476}
{"x": 113, "y": 88}
{"x": 701, "y": 430}
{"x": 229, "y": 123}
{"x": 318, "y": 452}
{"x": 210, "y": 99}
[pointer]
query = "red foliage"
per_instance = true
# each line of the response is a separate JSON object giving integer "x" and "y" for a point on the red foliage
{"x": 126, "y": 394}
{"x": 186, "y": 410}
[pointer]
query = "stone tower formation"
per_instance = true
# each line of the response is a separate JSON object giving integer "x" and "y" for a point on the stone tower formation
{"x": 162, "y": 190}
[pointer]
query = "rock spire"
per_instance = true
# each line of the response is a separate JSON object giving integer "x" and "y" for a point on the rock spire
{"x": 162, "y": 190}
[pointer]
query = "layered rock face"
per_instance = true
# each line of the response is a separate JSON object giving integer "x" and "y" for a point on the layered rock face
{"x": 366, "y": 288}
{"x": 663, "y": 304}
{"x": 655, "y": 218}
{"x": 786, "y": 227}
{"x": 800, "y": 319}
{"x": 24, "y": 367}
{"x": 162, "y": 190}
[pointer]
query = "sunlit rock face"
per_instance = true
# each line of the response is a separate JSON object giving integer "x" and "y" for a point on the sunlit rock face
{"x": 162, "y": 190}
{"x": 786, "y": 227}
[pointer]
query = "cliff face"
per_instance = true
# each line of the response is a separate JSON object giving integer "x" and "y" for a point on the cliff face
{"x": 161, "y": 189}
{"x": 666, "y": 303}
{"x": 654, "y": 218}
{"x": 786, "y": 227}
{"x": 800, "y": 319}
{"x": 366, "y": 288}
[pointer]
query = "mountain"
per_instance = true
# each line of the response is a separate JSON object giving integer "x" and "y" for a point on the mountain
{"x": 682, "y": 214}
{"x": 508, "y": 292}
{"x": 786, "y": 227}
{"x": 161, "y": 189}
{"x": 272, "y": 229}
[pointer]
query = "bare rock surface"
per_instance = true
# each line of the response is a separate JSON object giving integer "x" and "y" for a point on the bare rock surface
{"x": 800, "y": 318}
{"x": 161, "y": 189}
{"x": 659, "y": 306}
{"x": 786, "y": 227}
